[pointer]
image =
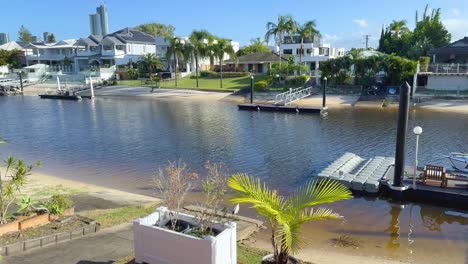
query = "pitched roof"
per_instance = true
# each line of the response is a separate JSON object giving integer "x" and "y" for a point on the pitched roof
{"x": 457, "y": 47}
{"x": 114, "y": 40}
{"x": 11, "y": 46}
{"x": 261, "y": 57}
{"x": 127, "y": 35}
{"x": 87, "y": 42}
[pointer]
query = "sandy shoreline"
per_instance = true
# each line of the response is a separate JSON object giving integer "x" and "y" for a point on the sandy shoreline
{"x": 332, "y": 101}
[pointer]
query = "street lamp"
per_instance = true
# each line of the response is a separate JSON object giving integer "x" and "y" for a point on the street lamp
{"x": 251, "y": 88}
{"x": 417, "y": 131}
{"x": 324, "y": 92}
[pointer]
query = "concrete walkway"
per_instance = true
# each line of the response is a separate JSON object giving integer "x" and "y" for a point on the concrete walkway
{"x": 104, "y": 247}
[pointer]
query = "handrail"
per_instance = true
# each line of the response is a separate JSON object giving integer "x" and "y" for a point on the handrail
{"x": 292, "y": 95}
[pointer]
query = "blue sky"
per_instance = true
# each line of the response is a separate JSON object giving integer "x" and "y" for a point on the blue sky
{"x": 342, "y": 23}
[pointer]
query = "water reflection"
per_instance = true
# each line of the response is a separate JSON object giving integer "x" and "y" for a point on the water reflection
{"x": 122, "y": 142}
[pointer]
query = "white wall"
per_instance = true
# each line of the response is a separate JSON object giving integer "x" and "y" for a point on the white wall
{"x": 444, "y": 82}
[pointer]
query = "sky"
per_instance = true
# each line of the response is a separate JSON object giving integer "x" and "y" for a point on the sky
{"x": 342, "y": 23}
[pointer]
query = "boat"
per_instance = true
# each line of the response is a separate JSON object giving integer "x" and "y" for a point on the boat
{"x": 459, "y": 161}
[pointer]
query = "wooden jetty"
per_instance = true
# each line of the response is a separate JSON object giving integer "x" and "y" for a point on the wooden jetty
{"x": 276, "y": 108}
{"x": 373, "y": 176}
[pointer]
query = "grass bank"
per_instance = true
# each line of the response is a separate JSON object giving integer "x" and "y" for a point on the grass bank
{"x": 205, "y": 84}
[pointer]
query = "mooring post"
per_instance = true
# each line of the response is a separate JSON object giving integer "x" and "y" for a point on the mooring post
{"x": 401, "y": 138}
{"x": 251, "y": 89}
{"x": 21, "y": 80}
{"x": 324, "y": 98}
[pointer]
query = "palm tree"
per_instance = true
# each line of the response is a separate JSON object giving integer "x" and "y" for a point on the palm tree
{"x": 199, "y": 41}
{"x": 175, "y": 50}
{"x": 306, "y": 31}
{"x": 399, "y": 27}
{"x": 286, "y": 215}
{"x": 285, "y": 24}
{"x": 150, "y": 61}
{"x": 222, "y": 47}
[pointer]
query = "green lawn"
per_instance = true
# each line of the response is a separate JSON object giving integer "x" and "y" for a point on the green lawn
{"x": 229, "y": 84}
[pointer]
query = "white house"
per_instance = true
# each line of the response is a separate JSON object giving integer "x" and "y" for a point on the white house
{"x": 313, "y": 51}
{"x": 52, "y": 54}
{"x": 118, "y": 48}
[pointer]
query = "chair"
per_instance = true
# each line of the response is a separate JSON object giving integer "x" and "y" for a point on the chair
{"x": 437, "y": 173}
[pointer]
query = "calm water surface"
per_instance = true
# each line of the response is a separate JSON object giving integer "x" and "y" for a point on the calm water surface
{"x": 122, "y": 142}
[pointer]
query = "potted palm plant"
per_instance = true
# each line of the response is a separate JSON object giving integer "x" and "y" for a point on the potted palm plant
{"x": 286, "y": 215}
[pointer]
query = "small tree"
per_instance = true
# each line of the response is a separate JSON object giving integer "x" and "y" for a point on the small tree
{"x": 286, "y": 215}
{"x": 12, "y": 179}
{"x": 52, "y": 38}
{"x": 24, "y": 34}
{"x": 173, "y": 183}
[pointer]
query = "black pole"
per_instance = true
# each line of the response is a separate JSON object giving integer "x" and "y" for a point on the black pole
{"x": 401, "y": 135}
{"x": 324, "y": 100}
{"x": 251, "y": 89}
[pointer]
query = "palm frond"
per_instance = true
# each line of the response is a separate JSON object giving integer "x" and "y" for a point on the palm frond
{"x": 250, "y": 190}
{"x": 319, "y": 192}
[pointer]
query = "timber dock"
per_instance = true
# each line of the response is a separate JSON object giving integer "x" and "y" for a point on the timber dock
{"x": 276, "y": 108}
{"x": 374, "y": 176}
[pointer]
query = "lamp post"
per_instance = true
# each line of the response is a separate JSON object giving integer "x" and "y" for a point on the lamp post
{"x": 324, "y": 100}
{"x": 251, "y": 89}
{"x": 417, "y": 131}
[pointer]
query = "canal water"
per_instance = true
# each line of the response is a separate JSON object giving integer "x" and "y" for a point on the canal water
{"x": 121, "y": 142}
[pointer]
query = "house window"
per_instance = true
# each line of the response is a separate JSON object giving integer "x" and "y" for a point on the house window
{"x": 287, "y": 51}
{"x": 309, "y": 51}
{"x": 93, "y": 48}
{"x": 119, "y": 47}
{"x": 299, "y": 51}
{"x": 108, "y": 47}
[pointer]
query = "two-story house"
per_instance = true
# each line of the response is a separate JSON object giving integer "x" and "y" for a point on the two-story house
{"x": 313, "y": 51}
{"x": 118, "y": 48}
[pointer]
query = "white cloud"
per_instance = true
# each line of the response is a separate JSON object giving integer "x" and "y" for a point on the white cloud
{"x": 360, "y": 22}
{"x": 457, "y": 27}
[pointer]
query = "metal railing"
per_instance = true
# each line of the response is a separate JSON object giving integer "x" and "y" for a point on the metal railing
{"x": 444, "y": 68}
{"x": 292, "y": 95}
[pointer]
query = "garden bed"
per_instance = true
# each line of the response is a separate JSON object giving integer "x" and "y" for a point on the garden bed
{"x": 62, "y": 229}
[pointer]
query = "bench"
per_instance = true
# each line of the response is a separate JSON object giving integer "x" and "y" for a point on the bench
{"x": 432, "y": 172}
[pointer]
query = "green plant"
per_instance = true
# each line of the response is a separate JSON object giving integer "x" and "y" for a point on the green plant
{"x": 286, "y": 215}
{"x": 261, "y": 86}
{"x": 173, "y": 183}
{"x": 298, "y": 81}
{"x": 12, "y": 180}
{"x": 26, "y": 204}
{"x": 132, "y": 73}
{"x": 58, "y": 203}
{"x": 385, "y": 102}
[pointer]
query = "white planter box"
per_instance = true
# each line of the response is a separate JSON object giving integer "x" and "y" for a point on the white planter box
{"x": 155, "y": 244}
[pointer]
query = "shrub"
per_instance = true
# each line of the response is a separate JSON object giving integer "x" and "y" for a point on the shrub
{"x": 58, "y": 203}
{"x": 261, "y": 86}
{"x": 298, "y": 81}
{"x": 215, "y": 75}
{"x": 132, "y": 73}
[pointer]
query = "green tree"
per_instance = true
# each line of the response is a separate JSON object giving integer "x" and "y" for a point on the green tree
{"x": 429, "y": 33}
{"x": 24, "y": 34}
{"x": 12, "y": 180}
{"x": 52, "y": 38}
{"x": 286, "y": 215}
{"x": 174, "y": 51}
{"x": 221, "y": 48}
{"x": 284, "y": 25}
{"x": 11, "y": 58}
{"x": 256, "y": 46}
{"x": 199, "y": 42}
{"x": 156, "y": 29}
{"x": 399, "y": 28}
{"x": 308, "y": 30}
{"x": 149, "y": 62}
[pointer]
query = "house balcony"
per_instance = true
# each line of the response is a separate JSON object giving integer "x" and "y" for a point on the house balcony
{"x": 444, "y": 68}
{"x": 87, "y": 53}
{"x": 48, "y": 57}
{"x": 112, "y": 53}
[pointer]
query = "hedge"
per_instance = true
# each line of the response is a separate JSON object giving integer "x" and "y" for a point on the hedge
{"x": 215, "y": 75}
{"x": 261, "y": 86}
